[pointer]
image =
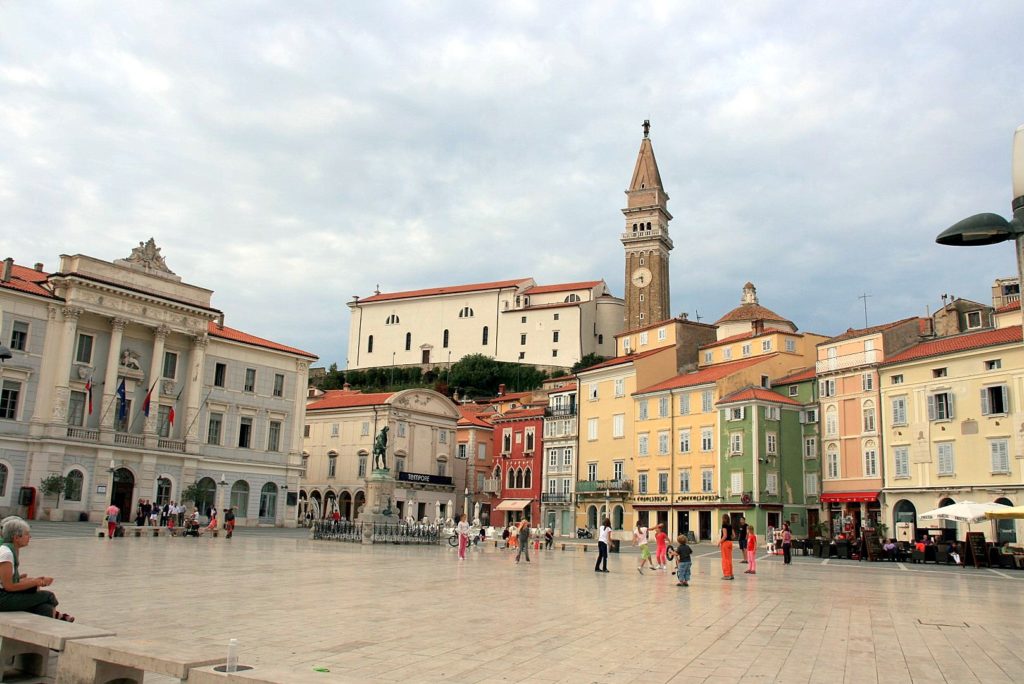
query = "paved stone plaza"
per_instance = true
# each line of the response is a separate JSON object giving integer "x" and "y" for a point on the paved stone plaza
{"x": 412, "y": 614}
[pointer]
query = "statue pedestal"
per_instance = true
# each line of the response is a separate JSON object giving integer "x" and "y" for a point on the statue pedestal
{"x": 380, "y": 504}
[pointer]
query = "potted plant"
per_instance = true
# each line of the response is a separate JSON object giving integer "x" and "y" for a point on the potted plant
{"x": 54, "y": 485}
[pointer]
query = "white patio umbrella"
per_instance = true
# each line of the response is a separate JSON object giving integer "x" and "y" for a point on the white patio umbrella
{"x": 963, "y": 511}
{"x": 449, "y": 510}
{"x": 437, "y": 510}
{"x": 476, "y": 511}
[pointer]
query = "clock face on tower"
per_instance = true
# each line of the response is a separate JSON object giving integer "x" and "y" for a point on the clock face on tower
{"x": 641, "y": 277}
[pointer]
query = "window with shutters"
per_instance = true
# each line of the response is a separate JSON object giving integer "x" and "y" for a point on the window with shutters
{"x": 870, "y": 460}
{"x": 869, "y": 416}
{"x": 663, "y": 440}
{"x": 771, "y": 443}
{"x": 827, "y": 388}
{"x": 684, "y": 480}
{"x": 831, "y": 421}
{"x": 811, "y": 484}
{"x": 940, "y": 406}
{"x": 641, "y": 483}
{"x": 867, "y": 382}
{"x": 617, "y": 470}
{"x": 684, "y": 441}
{"x": 684, "y": 404}
{"x": 663, "y": 483}
{"x": 832, "y": 462}
{"x": 772, "y": 413}
{"x": 771, "y": 483}
{"x": 707, "y": 439}
{"x": 592, "y": 393}
{"x": 736, "y": 413}
{"x": 591, "y": 429}
{"x": 810, "y": 447}
{"x": 901, "y": 456}
{"x": 945, "y": 457}
{"x": 620, "y": 387}
{"x": 1000, "y": 450}
{"x": 706, "y": 400}
{"x": 736, "y": 483}
{"x": 618, "y": 426}
{"x": 663, "y": 407}
{"x": 995, "y": 400}
{"x": 642, "y": 409}
{"x": 736, "y": 443}
{"x": 899, "y": 410}
{"x": 707, "y": 480}
{"x": 643, "y": 449}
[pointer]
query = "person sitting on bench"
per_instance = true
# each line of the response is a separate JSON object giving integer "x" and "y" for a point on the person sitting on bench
{"x": 23, "y": 593}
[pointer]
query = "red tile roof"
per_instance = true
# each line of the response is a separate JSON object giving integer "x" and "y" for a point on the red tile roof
{"x": 751, "y": 312}
{"x": 651, "y": 326}
{"x": 704, "y": 375}
{"x": 854, "y": 332}
{"x": 451, "y": 289}
{"x": 736, "y": 338}
{"x": 757, "y": 394}
{"x": 245, "y": 338}
{"x": 509, "y": 396}
{"x": 335, "y": 399}
{"x": 618, "y": 360}
{"x": 798, "y": 376}
{"x": 563, "y": 287}
{"x": 28, "y": 280}
{"x": 514, "y": 414}
{"x": 474, "y": 415}
{"x": 1006, "y": 308}
{"x": 957, "y": 343}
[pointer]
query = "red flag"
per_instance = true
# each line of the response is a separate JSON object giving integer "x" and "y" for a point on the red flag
{"x": 145, "y": 402}
{"x": 170, "y": 416}
{"x": 88, "y": 392}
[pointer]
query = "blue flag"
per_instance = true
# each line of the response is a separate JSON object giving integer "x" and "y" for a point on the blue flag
{"x": 122, "y": 399}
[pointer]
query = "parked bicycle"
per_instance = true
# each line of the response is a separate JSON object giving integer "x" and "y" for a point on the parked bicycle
{"x": 474, "y": 538}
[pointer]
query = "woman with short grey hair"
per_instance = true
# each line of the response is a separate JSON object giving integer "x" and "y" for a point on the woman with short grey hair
{"x": 19, "y": 593}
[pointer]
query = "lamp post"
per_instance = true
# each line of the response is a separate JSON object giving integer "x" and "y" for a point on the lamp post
{"x": 989, "y": 229}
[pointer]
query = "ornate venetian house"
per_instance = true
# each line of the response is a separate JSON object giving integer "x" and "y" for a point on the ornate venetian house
{"x": 124, "y": 379}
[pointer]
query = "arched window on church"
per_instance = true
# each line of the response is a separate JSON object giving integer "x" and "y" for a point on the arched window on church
{"x": 369, "y": 344}
{"x": 444, "y": 342}
{"x": 483, "y": 337}
{"x": 391, "y": 320}
{"x": 465, "y": 312}
{"x": 572, "y": 298}
{"x": 408, "y": 341}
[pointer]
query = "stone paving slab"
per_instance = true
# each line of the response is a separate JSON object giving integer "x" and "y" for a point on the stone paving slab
{"x": 417, "y": 614}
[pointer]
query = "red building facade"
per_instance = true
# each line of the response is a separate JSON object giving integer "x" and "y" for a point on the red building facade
{"x": 518, "y": 469}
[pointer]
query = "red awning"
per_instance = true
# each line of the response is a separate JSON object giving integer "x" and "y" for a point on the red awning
{"x": 842, "y": 497}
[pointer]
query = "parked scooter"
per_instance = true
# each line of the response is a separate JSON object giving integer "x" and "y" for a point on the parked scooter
{"x": 584, "y": 533}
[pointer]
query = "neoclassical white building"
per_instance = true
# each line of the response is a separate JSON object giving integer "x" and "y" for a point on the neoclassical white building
{"x": 96, "y": 342}
{"x": 550, "y": 326}
{"x": 341, "y": 426}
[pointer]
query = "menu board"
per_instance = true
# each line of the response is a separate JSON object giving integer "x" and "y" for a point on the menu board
{"x": 874, "y": 546}
{"x": 976, "y": 547}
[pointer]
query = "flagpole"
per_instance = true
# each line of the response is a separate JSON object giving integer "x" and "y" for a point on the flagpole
{"x": 196, "y": 417}
{"x": 145, "y": 407}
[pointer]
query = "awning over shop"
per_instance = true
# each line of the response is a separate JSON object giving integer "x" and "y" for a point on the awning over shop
{"x": 513, "y": 505}
{"x": 848, "y": 497}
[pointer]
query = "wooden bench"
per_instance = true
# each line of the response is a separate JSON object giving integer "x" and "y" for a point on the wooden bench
{"x": 26, "y": 640}
{"x": 110, "y": 658}
{"x": 258, "y": 675}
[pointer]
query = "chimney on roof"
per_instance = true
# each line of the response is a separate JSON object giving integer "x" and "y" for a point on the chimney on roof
{"x": 455, "y": 396}
{"x": 758, "y": 326}
{"x": 8, "y": 270}
{"x": 685, "y": 316}
{"x": 501, "y": 390}
{"x": 345, "y": 386}
{"x": 38, "y": 266}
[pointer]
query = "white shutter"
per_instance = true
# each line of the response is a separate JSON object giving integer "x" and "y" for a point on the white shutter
{"x": 985, "y": 408}
{"x": 931, "y": 407}
{"x": 1006, "y": 399}
{"x": 952, "y": 413}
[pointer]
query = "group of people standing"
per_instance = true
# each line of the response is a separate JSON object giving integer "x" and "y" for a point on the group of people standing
{"x": 746, "y": 539}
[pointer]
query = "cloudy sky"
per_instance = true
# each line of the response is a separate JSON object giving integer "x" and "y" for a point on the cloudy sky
{"x": 289, "y": 155}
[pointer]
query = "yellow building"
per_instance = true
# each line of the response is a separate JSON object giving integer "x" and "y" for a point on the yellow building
{"x": 606, "y": 419}
{"x": 952, "y": 414}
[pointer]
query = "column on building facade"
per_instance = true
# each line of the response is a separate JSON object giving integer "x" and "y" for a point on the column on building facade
{"x": 155, "y": 370}
{"x": 108, "y": 412}
{"x": 298, "y": 411}
{"x": 194, "y": 388}
{"x": 62, "y": 390}
{"x": 44, "y": 392}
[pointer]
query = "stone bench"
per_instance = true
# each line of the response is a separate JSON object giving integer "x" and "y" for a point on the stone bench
{"x": 107, "y": 659}
{"x": 26, "y": 640}
{"x": 258, "y": 675}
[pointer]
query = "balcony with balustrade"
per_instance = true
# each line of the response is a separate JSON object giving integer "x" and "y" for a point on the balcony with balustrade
{"x": 556, "y": 498}
{"x": 838, "y": 363}
{"x": 601, "y": 488}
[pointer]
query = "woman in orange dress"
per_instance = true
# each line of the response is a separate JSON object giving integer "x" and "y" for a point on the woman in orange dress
{"x": 725, "y": 544}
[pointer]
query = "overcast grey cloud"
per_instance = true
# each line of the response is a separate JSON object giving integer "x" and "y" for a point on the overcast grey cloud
{"x": 291, "y": 155}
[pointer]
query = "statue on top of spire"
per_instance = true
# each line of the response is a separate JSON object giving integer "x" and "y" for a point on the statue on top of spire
{"x": 647, "y": 127}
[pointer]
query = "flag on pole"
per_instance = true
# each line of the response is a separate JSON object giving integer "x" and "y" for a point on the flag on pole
{"x": 88, "y": 393}
{"x": 145, "y": 402}
{"x": 170, "y": 414}
{"x": 122, "y": 399}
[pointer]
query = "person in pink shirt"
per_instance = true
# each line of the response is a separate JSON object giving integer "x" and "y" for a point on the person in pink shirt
{"x": 112, "y": 519}
{"x": 661, "y": 546}
{"x": 751, "y": 551}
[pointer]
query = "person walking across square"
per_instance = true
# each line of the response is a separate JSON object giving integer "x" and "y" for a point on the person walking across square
{"x": 604, "y": 535}
{"x": 463, "y": 531}
{"x": 725, "y": 544}
{"x": 661, "y": 546}
{"x": 787, "y": 544}
{"x": 524, "y": 540}
{"x": 683, "y": 561}
{"x": 640, "y": 539}
{"x": 751, "y": 552}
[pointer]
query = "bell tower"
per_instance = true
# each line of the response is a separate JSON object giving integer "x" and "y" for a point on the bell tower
{"x": 646, "y": 242}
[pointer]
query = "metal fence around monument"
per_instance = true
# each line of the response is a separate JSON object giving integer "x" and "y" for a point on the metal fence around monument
{"x": 382, "y": 533}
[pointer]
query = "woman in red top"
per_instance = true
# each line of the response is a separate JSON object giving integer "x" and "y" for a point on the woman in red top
{"x": 661, "y": 548}
{"x": 725, "y": 544}
{"x": 751, "y": 551}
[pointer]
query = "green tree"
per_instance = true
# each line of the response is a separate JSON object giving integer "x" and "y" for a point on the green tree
{"x": 54, "y": 484}
{"x": 587, "y": 361}
{"x": 191, "y": 493}
{"x": 334, "y": 379}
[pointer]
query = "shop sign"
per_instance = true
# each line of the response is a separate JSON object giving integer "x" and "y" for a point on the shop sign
{"x": 424, "y": 478}
{"x": 687, "y": 498}
{"x": 651, "y": 499}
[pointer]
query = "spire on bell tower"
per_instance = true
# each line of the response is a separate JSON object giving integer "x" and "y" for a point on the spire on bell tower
{"x": 646, "y": 241}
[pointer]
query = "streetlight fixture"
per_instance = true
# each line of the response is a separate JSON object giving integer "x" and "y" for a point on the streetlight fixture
{"x": 989, "y": 229}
